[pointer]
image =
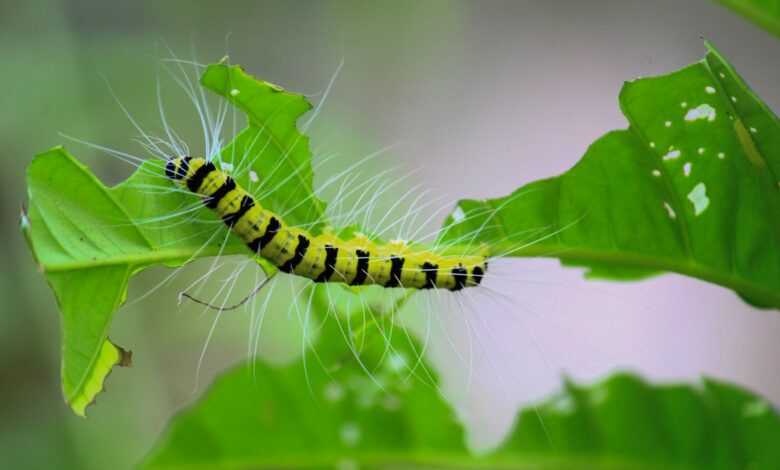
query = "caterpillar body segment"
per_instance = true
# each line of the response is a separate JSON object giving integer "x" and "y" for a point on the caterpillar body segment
{"x": 325, "y": 257}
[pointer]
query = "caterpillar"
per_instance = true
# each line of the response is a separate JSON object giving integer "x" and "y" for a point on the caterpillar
{"x": 324, "y": 257}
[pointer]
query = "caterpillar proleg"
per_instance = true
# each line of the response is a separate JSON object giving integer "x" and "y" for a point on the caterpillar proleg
{"x": 325, "y": 257}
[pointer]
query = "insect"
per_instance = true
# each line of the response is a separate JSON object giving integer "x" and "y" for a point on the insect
{"x": 246, "y": 184}
{"x": 321, "y": 258}
{"x": 373, "y": 307}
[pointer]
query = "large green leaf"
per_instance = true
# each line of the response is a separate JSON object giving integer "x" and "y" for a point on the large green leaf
{"x": 328, "y": 413}
{"x": 765, "y": 13}
{"x": 691, "y": 186}
{"x": 89, "y": 239}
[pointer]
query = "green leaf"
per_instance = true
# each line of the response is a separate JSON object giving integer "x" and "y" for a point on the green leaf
{"x": 109, "y": 356}
{"x": 624, "y": 422}
{"x": 89, "y": 239}
{"x": 330, "y": 414}
{"x": 278, "y": 152}
{"x": 691, "y": 187}
{"x": 765, "y": 13}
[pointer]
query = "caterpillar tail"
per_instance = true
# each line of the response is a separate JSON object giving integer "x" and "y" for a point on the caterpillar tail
{"x": 325, "y": 257}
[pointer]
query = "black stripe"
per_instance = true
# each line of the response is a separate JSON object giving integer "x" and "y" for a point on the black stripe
{"x": 170, "y": 170}
{"x": 184, "y": 167}
{"x": 300, "y": 252}
{"x": 176, "y": 173}
{"x": 477, "y": 274}
{"x": 362, "y": 268}
{"x": 270, "y": 232}
{"x": 246, "y": 203}
{"x": 430, "y": 271}
{"x": 331, "y": 255}
{"x": 397, "y": 265}
{"x": 200, "y": 174}
{"x": 212, "y": 201}
{"x": 254, "y": 245}
{"x": 461, "y": 275}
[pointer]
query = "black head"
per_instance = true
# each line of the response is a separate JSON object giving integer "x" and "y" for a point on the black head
{"x": 177, "y": 168}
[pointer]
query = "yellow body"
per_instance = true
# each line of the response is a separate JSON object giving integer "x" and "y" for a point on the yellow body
{"x": 323, "y": 258}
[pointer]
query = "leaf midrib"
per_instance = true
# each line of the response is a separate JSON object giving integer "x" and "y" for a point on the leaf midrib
{"x": 629, "y": 259}
{"x": 688, "y": 267}
{"x": 140, "y": 259}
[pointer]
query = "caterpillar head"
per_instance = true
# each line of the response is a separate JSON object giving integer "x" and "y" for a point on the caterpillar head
{"x": 177, "y": 168}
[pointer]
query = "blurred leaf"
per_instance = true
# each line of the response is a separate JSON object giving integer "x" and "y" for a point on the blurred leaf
{"x": 89, "y": 239}
{"x": 624, "y": 422}
{"x": 765, "y": 13}
{"x": 326, "y": 413}
{"x": 691, "y": 187}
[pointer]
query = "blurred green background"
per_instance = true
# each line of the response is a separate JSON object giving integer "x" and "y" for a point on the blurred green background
{"x": 479, "y": 97}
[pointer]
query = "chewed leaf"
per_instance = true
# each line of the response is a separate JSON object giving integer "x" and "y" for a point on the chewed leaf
{"x": 109, "y": 356}
{"x": 272, "y": 146}
{"x": 89, "y": 239}
{"x": 692, "y": 186}
{"x": 79, "y": 264}
{"x": 88, "y": 246}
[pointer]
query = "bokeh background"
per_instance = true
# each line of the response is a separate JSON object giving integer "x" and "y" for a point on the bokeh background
{"x": 477, "y": 97}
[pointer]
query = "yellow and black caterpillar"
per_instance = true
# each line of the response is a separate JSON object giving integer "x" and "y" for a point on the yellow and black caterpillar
{"x": 321, "y": 258}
